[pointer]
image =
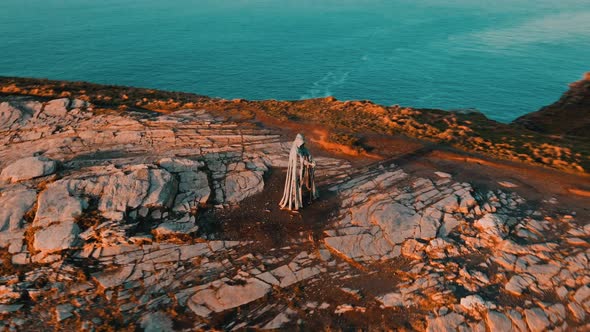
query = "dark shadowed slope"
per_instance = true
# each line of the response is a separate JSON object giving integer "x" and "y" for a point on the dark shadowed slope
{"x": 570, "y": 115}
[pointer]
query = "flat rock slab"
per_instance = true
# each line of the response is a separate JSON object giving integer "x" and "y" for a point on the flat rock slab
{"x": 28, "y": 168}
{"x": 56, "y": 237}
{"x": 15, "y": 203}
{"x": 64, "y": 311}
{"x": 227, "y": 296}
{"x": 113, "y": 278}
{"x": 10, "y": 308}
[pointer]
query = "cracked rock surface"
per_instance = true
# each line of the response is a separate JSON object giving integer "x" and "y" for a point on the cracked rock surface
{"x": 112, "y": 219}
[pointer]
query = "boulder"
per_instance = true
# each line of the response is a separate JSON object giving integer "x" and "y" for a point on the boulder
{"x": 279, "y": 320}
{"x": 536, "y": 319}
{"x": 55, "y": 204}
{"x": 497, "y": 321}
{"x": 122, "y": 191}
{"x": 162, "y": 189}
{"x": 114, "y": 277}
{"x": 193, "y": 190}
{"x": 78, "y": 103}
{"x": 447, "y": 323}
{"x": 475, "y": 303}
{"x": 448, "y": 225}
{"x": 241, "y": 184}
{"x": 227, "y": 296}
{"x": 56, "y": 237}
{"x": 57, "y": 107}
{"x": 391, "y": 300}
{"x": 134, "y": 187}
{"x": 12, "y": 116}
{"x": 64, "y": 311}
{"x": 492, "y": 225}
{"x": 28, "y": 168}
{"x": 15, "y": 203}
{"x": 519, "y": 283}
{"x": 57, "y": 212}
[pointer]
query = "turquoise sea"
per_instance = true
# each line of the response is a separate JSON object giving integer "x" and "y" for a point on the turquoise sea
{"x": 502, "y": 57}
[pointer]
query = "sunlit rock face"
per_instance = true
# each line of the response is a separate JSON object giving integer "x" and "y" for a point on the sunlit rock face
{"x": 28, "y": 168}
{"x": 109, "y": 219}
{"x": 384, "y": 208}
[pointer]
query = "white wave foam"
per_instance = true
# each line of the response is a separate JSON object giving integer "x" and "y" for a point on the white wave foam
{"x": 323, "y": 87}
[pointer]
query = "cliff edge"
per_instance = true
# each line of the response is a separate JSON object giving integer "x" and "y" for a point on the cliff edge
{"x": 142, "y": 210}
{"x": 570, "y": 115}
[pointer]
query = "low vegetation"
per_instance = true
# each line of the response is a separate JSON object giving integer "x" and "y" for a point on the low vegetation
{"x": 347, "y": 121}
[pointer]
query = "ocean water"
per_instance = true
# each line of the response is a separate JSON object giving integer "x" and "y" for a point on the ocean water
{"x": 502, "y": 57}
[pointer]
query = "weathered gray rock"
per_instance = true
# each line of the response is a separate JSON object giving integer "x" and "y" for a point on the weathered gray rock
{"x": 175, "y": 228}
{"x": 117, "y": 191}
{"x": 497, "y": 321}
{"x": 392, "y": 300}
{"x": 15, "y": 203}
{"x": 556, "y": 313}
{"x": 517, "y": 320}
{"x": 449, "y": 322}
{"x": 10, "y": 308}
{"x": 492, "y": 225}
{"x": 193, "y": 191}
{"x": 536, "y": 319}
{"x": 56, "y": 204}
{"x": 448, "y": 225}
{"x": 279, "y": 320}
{"x": 162, "y": 189}
{"x": 123, "y": 191}
{"x": 227, "y": 296}
{"x": 577, "y": 311}
{"x": 28, "y": 168}
{"x": 63, "y": 312}
{"x": 127, "y": 166}
{"x": 179, "y": 165}
{"x": 362, "y": 247}
{"x": 13, "y": 115}
{"x": 241, "y": 184}
{"x": 475, "y": 303}
{"x": 156, "y": 322}
{"x": 518, "y": 283}
{"x": 57, "y": 107}
{"x": 56, "y": 237}
{"x": 114, "y": 277}
{"x": 78, "y": 103}
{"x": 140, "y": 187}
{"x": 582, "y": 294}
{"x": 290, "y": 274}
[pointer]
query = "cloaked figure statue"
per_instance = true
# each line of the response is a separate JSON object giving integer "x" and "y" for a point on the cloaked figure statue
{"x": 300, "y": 173}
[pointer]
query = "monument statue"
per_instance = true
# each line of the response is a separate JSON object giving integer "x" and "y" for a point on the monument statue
{"x": 300, "y": 173}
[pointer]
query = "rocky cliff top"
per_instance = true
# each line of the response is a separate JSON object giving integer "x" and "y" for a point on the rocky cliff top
{"x": 351, "y": 123}
{"x": 569, "y": 116}
{"x": 137, "y": 209}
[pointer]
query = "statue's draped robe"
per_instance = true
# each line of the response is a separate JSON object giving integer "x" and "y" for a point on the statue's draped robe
{"x": 299, "y": 173}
